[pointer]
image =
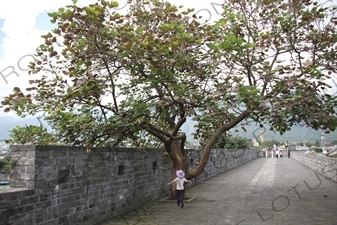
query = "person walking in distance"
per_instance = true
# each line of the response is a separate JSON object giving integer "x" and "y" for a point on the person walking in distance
{"x": 276, "y": 153}
{"x": 274, "y": 150}
{"x": 288, "y": 150}
{"x": 180, "y": 181}
{"x": 281, "y": 153}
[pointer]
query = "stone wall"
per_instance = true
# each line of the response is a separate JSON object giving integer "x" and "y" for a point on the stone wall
{"x": 69, "y": 185}
{"x": 327, "y": 166}
{"x": 221, "y": 160}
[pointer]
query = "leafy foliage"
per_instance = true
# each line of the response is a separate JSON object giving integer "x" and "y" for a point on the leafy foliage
{"x": 37, "y": 135}
{"x": 135, "y": 78}
{"x": 6, "y": 164}
{"x": 228, "y": 142}
{"x": 318, "y": 150}
{"x": 281, "y": 71}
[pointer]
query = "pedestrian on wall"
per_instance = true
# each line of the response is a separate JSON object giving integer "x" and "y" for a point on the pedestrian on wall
{"x": 288, "y": 150}
{"x": 180, "y": 181}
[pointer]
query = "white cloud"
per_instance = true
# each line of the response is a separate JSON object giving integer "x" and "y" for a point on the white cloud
{"x": 21, "y": 38}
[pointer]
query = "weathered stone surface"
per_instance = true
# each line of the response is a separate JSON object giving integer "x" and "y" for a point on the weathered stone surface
{"x": 69, "y": 185}
{"x": 324, "y": 165}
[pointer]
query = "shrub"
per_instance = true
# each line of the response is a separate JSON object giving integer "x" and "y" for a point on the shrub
{"x": 318, "y": 150}
{"x": 6, "y": 164}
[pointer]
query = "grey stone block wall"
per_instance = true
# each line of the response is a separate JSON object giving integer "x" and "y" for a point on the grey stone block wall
{"x": 327, "y": 166}
{"x": 70, "y": 185}
{"x": 15, "y": 204}
{"x": 221, "y": 160}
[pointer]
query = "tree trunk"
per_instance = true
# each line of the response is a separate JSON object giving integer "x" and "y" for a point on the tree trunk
{"x": 178, "y": 154}
{"x": 179, "y": 162}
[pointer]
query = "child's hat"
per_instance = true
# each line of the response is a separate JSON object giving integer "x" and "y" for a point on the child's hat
{"x": 180, "y": 173}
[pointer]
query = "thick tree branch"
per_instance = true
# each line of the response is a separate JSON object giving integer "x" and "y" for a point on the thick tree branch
{"x": 208, "y": 147}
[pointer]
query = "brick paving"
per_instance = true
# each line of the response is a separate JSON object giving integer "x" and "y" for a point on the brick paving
{"x": 264, "y": 191}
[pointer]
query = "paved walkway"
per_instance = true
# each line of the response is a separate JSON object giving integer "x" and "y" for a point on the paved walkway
{"x": 265, "y": 191}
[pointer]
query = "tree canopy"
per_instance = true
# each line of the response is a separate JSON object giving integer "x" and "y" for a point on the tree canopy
{"x": 135, "y": 78}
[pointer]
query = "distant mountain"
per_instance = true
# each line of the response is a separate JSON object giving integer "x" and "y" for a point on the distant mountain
{"x": 296, "y": 134}
{"x": 7, "y": 123}
{"x": 8, "y": 119}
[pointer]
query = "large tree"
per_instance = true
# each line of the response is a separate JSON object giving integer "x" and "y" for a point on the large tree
{"x": 136, "y": 78}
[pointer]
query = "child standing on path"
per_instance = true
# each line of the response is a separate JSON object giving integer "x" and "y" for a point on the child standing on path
{"x": 180, "y": 180}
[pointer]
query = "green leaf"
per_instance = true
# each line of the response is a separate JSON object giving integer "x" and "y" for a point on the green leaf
{"x": 140, "y": 29}
{"x": 114, "y": 4}
{"x": 226, "y": 45}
